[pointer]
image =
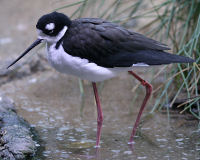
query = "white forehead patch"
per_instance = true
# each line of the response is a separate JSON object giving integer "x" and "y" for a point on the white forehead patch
{"x": 50, "y": 26}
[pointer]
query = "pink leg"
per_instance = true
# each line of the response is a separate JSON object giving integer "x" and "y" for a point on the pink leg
{"x": 99, "y": 115}
{"x": 146, "y": 98}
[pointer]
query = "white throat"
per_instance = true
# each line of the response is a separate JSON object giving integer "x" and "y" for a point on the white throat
{"x": 50, "y": 39}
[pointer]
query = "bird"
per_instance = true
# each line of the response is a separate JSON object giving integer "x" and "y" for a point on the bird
{"x": 94, "y": 49}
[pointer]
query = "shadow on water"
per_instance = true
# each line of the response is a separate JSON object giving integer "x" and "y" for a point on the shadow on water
{"x": 38, "y": 155}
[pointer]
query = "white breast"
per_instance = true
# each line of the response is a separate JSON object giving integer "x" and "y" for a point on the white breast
{"x": 76, "y": 66}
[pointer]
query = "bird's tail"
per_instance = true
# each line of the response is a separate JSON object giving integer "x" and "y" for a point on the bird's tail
{"x": 161, "y": 57}
{"x": 179, "y": 59}
{"x": 146, "y": 57}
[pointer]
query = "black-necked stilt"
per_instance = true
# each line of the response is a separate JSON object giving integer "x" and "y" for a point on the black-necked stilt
{"x": 95, "y": 50}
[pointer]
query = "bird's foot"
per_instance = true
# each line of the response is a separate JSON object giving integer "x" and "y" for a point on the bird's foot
{"x": 131, "y": 142}
{"x": 97, "y": 146}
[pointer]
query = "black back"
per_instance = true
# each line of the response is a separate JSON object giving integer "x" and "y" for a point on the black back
{"x": 110, "y": 45}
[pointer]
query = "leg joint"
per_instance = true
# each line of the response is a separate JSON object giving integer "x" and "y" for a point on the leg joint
{"x": 145, "y": 83}
{"x": 100, "y": 120}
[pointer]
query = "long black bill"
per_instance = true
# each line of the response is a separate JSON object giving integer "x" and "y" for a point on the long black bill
{"x": 38, "y": 41}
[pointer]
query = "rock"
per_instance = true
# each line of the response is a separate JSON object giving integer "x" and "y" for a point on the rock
{"x": 16, "y": 141}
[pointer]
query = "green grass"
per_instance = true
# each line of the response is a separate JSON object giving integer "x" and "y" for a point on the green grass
{"x": 180, "y": 22}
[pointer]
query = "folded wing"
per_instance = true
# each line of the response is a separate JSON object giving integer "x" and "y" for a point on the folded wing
{"x": 110, "y": 45}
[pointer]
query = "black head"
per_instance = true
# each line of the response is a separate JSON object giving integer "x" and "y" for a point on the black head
{"x": 51, "y": 24}
{"x": 51, "y": 28}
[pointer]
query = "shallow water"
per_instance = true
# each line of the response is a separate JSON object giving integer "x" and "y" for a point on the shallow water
{"x": 51, "y": 103}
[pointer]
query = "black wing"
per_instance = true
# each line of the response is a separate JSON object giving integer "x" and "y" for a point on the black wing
{"x": 110, "y": 45}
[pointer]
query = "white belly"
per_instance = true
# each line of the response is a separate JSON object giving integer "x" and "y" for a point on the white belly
{"x": 76, "y": 66}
